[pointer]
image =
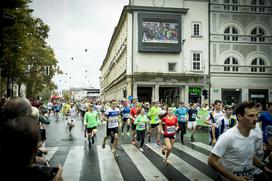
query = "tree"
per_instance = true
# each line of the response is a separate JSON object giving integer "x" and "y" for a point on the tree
{"x": 26, "y": 53}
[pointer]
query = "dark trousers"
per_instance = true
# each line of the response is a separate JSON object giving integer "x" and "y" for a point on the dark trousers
{"x": 141, "y": 136}
{"x": 182, "y": 130}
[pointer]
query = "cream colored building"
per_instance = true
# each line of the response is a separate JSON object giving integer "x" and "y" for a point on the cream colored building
{"x": 171, "y": 67}
{"x": 241, "y": 50}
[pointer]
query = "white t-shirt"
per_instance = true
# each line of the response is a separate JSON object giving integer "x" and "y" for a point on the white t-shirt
{"x": 49, "y": 105}
{"x": 236, "y": 152}
{"x": 259, "y": 152}
{"x": 218, "y": 124}
{"x": 73, "y": 112}
{"x": 113, "y": 116}
{"x": 216, "y": 115}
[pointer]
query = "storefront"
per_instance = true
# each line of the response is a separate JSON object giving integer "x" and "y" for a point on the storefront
{"x": 258, "y": 95}
{"x": 195, "y": 95}
{"x": 230, "y": 96}
{"x": 144, "y": 94}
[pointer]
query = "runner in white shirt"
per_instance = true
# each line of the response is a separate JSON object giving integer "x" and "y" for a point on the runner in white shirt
{"x": 233, "y": 154}
{"x": 71, "y": 117}
{"x": 222, "y": 123}
{"x": 112, "y": 116}
{"x": 212, "y": 118}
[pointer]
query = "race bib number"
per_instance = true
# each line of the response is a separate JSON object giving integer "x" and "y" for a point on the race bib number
{"x": 248, "y": 173}
{"x": 142, "y": 126}
{"x": 113, "y": 123}
{"x": 170, "y": 129}
{"x": 182, "y": 118}
{"x": 194, "y": 116}
{"x": 126, "y": 115}
{"x": 268, "y": 129}
{"x": 156, "y": 119}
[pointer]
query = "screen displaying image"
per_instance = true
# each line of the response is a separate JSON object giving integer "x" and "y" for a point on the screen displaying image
{"x": 160, "y": 32}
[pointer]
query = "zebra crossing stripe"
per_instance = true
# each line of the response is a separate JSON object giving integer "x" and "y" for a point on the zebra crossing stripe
{"x": 50, "y": 152}
{"x": 109, "y": 169}
{"x": 147, "y": 169}
{"x": 202, "y": 145}
{"x": 186, "y": 169}
{"x": 200, "y": 156}
{"x": 73, "y": 163}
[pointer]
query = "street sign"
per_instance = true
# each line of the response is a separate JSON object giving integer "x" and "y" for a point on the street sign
{"x": 130, "y": 98}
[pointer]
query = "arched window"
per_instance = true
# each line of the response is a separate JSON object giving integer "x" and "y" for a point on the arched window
{"x": 228, "y": 65}
{"x": 257, "y": 35}
{"x": 257, "y": 5}
{"x": 230, "y": 33}
{"x": 231, "y": 5}
{"x": 258, "y": 62}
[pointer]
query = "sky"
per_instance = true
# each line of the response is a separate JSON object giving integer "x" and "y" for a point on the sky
{"x": 76, "y": 25}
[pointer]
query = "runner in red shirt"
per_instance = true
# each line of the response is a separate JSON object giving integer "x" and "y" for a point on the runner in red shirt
{"x": 134, "y": 111}
{"x": 169, "y": 126}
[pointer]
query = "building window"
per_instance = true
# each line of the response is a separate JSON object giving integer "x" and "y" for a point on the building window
{"x": 228, "y": 65}
{"x": 172, "y": 67}
{"x": 231, "y": 5}
{"x": 231, "y": 34}
{"x": 258, "y": 62}
{"x": 196, "y": 61}
{"x": 257, "y": 5}
{"x": 196, "y": 29}
{"x": 257, "y": 35}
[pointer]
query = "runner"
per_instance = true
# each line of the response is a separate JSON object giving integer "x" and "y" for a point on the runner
{"x": 125, "y": 118}
{"x": 266, "y": 119}
{"x": 222, "y": 123}
{"x": 72, "y": 117}
{"x": 111, "y": 116}
{"x": 90, "y": 120}
{"x": 192, "y": 114}
{"x": 57, "y": 108}
{"x": 233, "y": 155}
{"x": 153, "y": 114}
{"x": 134, "y": 111}
{"x": 49, "y": 107}
{"x": 168, "y": 126}
{"x": 182, "y": 115}
{"x": 212, "y": 118}
{"x": 141, "y": 121}
{"x": 66, "y": 110}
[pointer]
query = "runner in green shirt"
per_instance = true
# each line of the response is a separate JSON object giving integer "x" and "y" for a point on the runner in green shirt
{"x": 90, "y": 120}
{"x": 141, "y": 121}
{"x": 153, "y": 114}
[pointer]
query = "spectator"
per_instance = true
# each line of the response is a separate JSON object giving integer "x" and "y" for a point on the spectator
{"x": 16, "y": 107}
{"x": 17, "y": 157}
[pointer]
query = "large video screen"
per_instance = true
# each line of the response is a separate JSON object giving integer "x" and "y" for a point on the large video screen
{"x": 159, "y": 32}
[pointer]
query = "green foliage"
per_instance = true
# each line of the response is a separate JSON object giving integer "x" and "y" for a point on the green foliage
{"x": 66, "y": 95}
{"x": 26, "y": 53}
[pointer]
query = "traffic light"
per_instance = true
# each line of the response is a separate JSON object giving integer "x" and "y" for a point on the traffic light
{"x": 124, "y": 93}
{"x": 205, "y": 93}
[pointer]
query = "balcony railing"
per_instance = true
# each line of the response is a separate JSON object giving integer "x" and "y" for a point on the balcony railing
{"x": 242, "y": 69}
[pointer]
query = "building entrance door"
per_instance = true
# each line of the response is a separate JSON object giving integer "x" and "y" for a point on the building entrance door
{"x": 144, "y": 94}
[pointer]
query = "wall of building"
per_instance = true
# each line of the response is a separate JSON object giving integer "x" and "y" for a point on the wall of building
{"x": 116, "y": 63}
{"x": 244, "y": 50}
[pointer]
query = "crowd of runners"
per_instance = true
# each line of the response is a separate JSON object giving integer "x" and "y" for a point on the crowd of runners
{"x": 240, "y": 134}
{"x": 142, "y": 121}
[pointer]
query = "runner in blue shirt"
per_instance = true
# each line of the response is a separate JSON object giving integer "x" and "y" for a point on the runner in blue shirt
{"x": 266, "y": 119}
{"x": 182, "y": 115}
{"x": 125, "y": 118}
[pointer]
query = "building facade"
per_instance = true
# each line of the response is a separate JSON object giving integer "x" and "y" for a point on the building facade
{"x": 223, "y": 46}
{"x": 241, "y": 50}
{"x": 159, "y": 50}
